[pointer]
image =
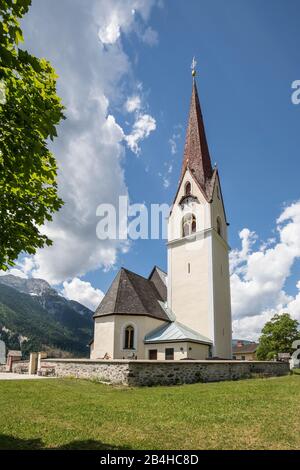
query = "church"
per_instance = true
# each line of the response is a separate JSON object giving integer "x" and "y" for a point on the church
{"x": 186, "y": 312}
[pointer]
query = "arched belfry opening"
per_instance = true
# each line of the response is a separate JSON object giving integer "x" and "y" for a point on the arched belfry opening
{"x": 189, "y": 225}
{"x": 188, "y": 189}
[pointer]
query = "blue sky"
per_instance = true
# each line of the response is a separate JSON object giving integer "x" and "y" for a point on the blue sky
{"x": 247, "y": 58}
{"x": 245, "y": 70}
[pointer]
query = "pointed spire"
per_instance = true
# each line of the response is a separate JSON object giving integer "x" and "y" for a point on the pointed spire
{"x": 196, "y": 152}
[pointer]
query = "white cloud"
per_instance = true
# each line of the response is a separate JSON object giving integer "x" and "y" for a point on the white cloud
{"x": 294, "y": 304}
{"x": 110, "y": 32}
{"x": 166, "y": 182}
{"x": 22, "y": 268}
{"x": 250, "y": 327}
{"x": 133, "y": 103}
{"x": 173, "y": 146}
{"x": 82, "y": 292}
{"x": 176, "y": 136}
{"x": 150, "y": 36}
{"x": 166, "y": 175}
{"x": 90, "y": 146}
{"x": 119, "y": 16}
{"x": 14, "y": 272}
{"x": 142, "y": 127}
{"x": 258, "y": 276}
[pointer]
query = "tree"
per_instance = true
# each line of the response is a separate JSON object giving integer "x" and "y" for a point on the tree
{"x": 277, "y": 336}
{"x": 30, "y": 110}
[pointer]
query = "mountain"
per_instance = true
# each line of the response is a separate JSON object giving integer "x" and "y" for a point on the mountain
{"x": 32, "y": 309}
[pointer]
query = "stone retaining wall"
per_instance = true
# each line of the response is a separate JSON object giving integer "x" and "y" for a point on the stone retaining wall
{"x": 140, "y": 372}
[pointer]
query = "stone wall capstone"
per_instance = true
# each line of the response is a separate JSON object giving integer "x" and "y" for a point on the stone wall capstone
{"x": 148, "y": 373}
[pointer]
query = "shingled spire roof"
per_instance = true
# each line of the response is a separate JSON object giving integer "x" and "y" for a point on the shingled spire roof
{"x": 196, "y": 152}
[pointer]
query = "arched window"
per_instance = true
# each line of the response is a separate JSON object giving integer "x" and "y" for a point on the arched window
{"x": 219, "y": 226}
{"x": 188, "y": 188}
{"x": 129, "y": 337}
{"x": 194, "y": 227}
{"x": 189, "y": 225}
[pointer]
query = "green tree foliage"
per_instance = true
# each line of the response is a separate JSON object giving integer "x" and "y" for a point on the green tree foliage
{"x": 30, "y": 110}
{"x": 277, "y": 336}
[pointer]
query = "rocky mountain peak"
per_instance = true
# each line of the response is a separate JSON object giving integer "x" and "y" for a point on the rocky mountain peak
{"x": 28, "y": 286}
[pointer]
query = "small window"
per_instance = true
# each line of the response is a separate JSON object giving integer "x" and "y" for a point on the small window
{"x": 169, "y": 354}
{"x": 189, "y": 268}
{"x": 153, "y": 354}
{"x": 189, "y": 225}
{"x": 129, "y": 337}
{"x": 243, "y": 358}
{"x": 188, "y": 188}
{"x": 219, "y": 226}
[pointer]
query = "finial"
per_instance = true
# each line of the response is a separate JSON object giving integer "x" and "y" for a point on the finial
{"x": 193, "y": 67}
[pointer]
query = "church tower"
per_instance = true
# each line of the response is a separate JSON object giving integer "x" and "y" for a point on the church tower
{"x": 198, "y": 263}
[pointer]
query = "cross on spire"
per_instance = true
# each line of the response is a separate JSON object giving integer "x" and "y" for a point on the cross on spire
{"x": 193, "y": 66}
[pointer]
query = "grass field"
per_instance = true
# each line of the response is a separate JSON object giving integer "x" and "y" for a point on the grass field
{"x": 77, "y": 414}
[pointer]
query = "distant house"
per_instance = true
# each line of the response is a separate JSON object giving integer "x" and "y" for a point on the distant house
{"x": 244, "y": 351}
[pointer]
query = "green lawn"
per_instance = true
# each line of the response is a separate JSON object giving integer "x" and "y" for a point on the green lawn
{"x": 78, "y": 414}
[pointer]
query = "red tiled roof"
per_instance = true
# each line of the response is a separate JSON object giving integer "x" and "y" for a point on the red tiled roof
{"x": 240, "y": 348}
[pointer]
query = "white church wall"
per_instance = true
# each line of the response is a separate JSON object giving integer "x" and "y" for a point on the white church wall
{"x": 103, "y": 337}
{"x": 198, "y": 351}
{"x": 222, "y": 301}
{"x": 199, "y": 208}
{"x": 217, "y": 210}
{"x": 221, "y": 280}
{"x": 142, "y": 326}
{"x": 198, "y": 268}
{"x": 190, "y": 284}
{"x": 182, "y": 350}
{"x": 189, "y": 279}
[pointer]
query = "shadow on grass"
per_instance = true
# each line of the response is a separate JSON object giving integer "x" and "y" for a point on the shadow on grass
{"x": 13, "y": 443}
